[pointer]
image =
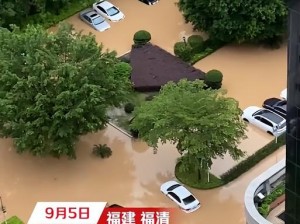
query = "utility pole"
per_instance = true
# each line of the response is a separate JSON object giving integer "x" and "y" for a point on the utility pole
{"x": 3, "y": 209}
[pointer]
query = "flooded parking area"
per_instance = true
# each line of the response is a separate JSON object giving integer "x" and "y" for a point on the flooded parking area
{"x": 130, "y": 177}
{"x": 133, "y": 174}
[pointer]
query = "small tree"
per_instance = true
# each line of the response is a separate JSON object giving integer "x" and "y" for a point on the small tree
{"x": 196, "y": 42}
{"x": 203, "y": 124}
{"x": 213, "y": 79}
{"x": 102, "y": 151}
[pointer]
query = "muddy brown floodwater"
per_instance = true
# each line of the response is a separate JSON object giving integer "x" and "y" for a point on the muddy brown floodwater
{"x": 130, "y": 177}
{"x": 133, "y": 175}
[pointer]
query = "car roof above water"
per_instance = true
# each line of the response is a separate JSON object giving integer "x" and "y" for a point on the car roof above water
{"x": 272, "y": 116}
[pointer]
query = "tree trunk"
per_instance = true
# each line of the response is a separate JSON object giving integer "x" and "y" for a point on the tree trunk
{"x": 199, "y": 174}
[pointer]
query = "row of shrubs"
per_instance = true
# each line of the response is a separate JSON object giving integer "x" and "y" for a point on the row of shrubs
{"x": 48, "y": 19}
{"x": 195, "y": 48}
{"x": 264, "y": 208}
{"x": 252, "y": 160}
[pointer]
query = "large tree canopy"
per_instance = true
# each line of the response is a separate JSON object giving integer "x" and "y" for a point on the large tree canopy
{"x": 55, "y": 87}
{"x": 202, "y": 123}
{"x": 237, "y": 20}
{"x": 15, "y": 11}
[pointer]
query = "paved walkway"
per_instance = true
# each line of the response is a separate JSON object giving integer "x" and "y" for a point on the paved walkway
{"x": 273, "y": 216}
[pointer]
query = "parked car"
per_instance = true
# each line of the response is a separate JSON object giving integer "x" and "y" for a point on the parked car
{"x": 276, "y": 105}
{"x": 265, "y": 119}
{"x": 283, "y": 94}
{"x": 95, "y": 20}
{"x": 181, "y": 196}
{"x": 150, "y": 2}
{"x": 108, "y": 10}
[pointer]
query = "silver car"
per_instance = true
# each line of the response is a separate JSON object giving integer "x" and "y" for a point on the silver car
{"x": 91, "y": 17}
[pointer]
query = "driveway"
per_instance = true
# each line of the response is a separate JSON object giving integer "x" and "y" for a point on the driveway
{"x": 130, "y": 177}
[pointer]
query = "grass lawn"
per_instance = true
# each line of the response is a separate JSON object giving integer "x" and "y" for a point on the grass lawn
{"x": 118, "y": 115}
{"x": 191, "y": 179}
{"x": 13, "y": 220}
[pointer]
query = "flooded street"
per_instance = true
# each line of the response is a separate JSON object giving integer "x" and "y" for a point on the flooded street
{"x": 133, "y": 174}
{"x": 130, "y": 177}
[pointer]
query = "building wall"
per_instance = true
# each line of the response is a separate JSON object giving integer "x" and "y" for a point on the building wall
{"x": 292, "y": 209}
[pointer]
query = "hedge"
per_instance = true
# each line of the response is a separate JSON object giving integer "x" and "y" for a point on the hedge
{"x": 48, "y": 19}
{"x": 264, "y": 209}
{"x": 245, "y": 165}
{"x": 13, "y": 220}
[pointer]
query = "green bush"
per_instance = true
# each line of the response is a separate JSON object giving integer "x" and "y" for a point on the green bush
{"x": 134, "y": 133}
{"x": 129, "y": 108}
{"x": 13, "y": 220}
{"x": 149, "y": 97}
{"x": 48, "y": 19}
{"x": 196, "y": 42}
{"x": 213, "y": 79}
{"x": 183, "y": 51}
{"x": 191, "y": 179}
{"x": 264, "y": 209}
{"x": 253, "y": 160}
{"x": 102, "y": 151}
{"x": 141, "y": 37}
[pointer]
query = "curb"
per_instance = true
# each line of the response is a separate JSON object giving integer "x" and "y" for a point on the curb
{"x": 120, "y": 129}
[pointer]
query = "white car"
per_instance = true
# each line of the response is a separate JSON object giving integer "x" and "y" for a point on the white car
{"x": 283, "y": 94}
{"x": 181, "y": 196}
{"x": 265, "y": 119}
{"x": 108, "y": 10}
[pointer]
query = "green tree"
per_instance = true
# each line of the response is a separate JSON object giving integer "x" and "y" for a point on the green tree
{"x": 237, "y": 20}
{"x": 55, "y": 87}
{"x": 204, "y": 124}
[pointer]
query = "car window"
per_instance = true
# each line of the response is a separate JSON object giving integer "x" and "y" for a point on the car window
{"x": 98, "y": 20}
{"x": 265, "y": 121}
{"x": 112, "y": 11}
{"x": 173, "y": 187}
{"x": 281, "y": 110}
{"x": 188, "y": 200}
{"x": 101, "y": 9}
{"x": 173, "y": 195}
{"x": 257, "y": 118}
{"x": 87, "y": 18}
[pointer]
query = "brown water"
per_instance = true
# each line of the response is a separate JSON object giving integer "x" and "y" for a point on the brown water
{"x": 133, "y": 175}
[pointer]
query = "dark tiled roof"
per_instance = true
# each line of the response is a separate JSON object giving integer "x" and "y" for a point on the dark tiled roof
{"x": 153, "y": 67}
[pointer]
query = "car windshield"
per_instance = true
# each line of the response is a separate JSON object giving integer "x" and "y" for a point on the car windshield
{"x": 189, "y": 200}
{"x": 112, "y": 11}
{"x": 98, "y": 20}
{"x": 173, "y": 187}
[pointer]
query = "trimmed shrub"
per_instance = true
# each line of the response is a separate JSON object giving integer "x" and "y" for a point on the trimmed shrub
{"x": 102, "y": 151}
{"x": 129, "y": 108}
{"x": 141, "y": 37}
{"x": 183, "y": 51}
{"x": 253, "y": 160}
{"x": 13, "y": 220}
{"x": 196, "y": 42}
{"x": 213, "y": 79}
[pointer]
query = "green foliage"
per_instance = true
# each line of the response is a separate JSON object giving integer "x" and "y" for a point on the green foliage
{"x": 134, "y": 133}
{"x": 149, "y": 97}
{"x": 237, "y": 20}
{"x": 102, "y": 151}
{"x": 141, "y": 37}
{"x": 129, "y": 108}
{"x": 264, "y": 209}
{"x": 55, "y": 87}
{"x": 253, "y": 160}
{"x": 196, "y": 42}
{"x": 202, "y": 123}
{"x": 213, "y": 79}
{"x": 183, "y": 51}
{"x": 190, "y": 179}
{"x": 43, "y": 12}
{"x": 13, "y": 220}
